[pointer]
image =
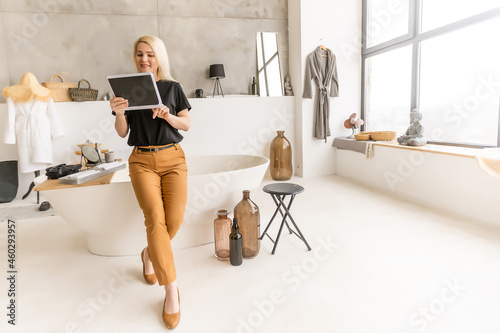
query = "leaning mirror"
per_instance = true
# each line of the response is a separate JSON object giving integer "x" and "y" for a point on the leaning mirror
{"x": 269, "y": 66}
{"x": 91, "y": 155}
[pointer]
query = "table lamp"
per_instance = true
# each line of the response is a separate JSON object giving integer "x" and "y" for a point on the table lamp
{"x": 217, "y": 73}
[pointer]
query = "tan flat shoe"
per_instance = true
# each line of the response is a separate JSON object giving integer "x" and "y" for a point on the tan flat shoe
{"x": 171, "y": 320}
{"x": 150, "y": 278}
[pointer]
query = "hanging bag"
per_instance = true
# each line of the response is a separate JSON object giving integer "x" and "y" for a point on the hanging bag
{"x": 59, "y": 90}
{"x": 83, "y": 94}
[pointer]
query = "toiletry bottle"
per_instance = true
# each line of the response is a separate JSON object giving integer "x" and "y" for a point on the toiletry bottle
{"x": 254, "y": 86}
{"x": 222, "y": 232}
{"x": 235, "y": 246}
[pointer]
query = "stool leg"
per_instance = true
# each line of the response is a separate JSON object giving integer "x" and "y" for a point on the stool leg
{"x": 278, "y": 237}
{"x": 283, "y": 222}
{"x": 282, "y": 203}
{"x": 287, "y": 209}
{"x": 270, "y": 222}
{"x": 300, "y": 233}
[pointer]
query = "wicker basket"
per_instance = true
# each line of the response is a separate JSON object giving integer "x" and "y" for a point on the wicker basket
{"x": 363, "y": 136}
{"x": 82, "y": 94}
{"x": 59, "y": 90}
{"x": 383, "y": 135}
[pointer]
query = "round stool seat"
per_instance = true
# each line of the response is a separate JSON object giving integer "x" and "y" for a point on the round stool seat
{"x": 283, "y": 188}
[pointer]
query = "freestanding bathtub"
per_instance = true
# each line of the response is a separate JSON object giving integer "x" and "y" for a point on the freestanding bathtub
{"x": 110, "y": 215}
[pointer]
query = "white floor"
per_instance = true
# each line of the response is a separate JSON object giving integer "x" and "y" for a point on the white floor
{"x": 378, "y": 265}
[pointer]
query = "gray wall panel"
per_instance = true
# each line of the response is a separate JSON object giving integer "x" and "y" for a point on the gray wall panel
{"x": 92, "y": 39}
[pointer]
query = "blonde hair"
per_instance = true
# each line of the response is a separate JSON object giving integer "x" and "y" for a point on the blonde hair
{"x": 161, "y": 55}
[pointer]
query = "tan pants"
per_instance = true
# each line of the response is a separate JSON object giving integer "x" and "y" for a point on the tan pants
{"x": 160, "y": 185}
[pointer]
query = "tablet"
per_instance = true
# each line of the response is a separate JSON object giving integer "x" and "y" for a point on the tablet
{"x": 138, "y": 88}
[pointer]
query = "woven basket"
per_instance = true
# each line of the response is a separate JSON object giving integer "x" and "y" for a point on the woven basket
{"x": 59, "y": 90}
{"x": 383, "y": 135}
{"x": 363, "y": 136}
{"x": 82, "y": 94}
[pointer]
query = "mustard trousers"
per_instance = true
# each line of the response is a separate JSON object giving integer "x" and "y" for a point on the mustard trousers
{"x": 159, "y": 180}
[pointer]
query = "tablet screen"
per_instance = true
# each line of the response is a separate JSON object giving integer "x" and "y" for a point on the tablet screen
{"x": 139, "y": 89}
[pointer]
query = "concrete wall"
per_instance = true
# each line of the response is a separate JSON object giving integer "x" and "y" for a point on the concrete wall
{"x": 91, "y": 39}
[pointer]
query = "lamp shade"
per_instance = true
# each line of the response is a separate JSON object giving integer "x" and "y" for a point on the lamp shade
{"x": 217, "y": 71}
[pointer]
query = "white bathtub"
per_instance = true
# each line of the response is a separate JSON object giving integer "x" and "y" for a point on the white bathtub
{"x": 114, "y": 223}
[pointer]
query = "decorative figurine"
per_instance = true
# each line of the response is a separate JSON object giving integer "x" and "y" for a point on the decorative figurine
{"x": 107, "y": 96}
{"x": 414, "y": 135}
{"x": 288, "y": 87}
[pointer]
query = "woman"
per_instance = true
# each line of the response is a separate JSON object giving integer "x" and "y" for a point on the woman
{"x": 158, "y": 168}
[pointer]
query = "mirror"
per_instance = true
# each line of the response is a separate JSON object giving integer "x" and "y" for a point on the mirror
{"x": 269, "y": 64}
{"x": 91, "y": 155}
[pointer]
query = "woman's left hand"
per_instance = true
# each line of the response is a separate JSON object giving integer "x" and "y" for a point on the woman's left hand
{"x": 163, "y": 112}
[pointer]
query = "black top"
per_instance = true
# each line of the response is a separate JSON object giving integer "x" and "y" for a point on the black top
{"x": 146, "y": 131}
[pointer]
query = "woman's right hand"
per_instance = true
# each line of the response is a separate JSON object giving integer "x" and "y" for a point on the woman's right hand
{"x": 118, "y": 105}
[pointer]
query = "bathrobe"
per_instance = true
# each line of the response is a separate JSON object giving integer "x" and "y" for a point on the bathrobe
{"x": 323, "y": 70}
{"x": 32, "y": 124}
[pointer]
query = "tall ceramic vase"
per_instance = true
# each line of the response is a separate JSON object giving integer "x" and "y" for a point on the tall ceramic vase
{"x": 281, "y": 158}
{"x": 248, "y": 216}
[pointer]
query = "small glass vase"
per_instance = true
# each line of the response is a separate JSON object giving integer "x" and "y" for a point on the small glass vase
{"x": 281, "y": 158}
{"x": 248, "y": 216}
{"x": 222, "y": 231}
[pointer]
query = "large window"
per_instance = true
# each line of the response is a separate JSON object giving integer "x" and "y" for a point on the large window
{"x": 440, "y": 56}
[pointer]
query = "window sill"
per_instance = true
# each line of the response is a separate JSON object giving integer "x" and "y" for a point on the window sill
{"x": 433, "y": 148}
{"x": 363, "y": 147}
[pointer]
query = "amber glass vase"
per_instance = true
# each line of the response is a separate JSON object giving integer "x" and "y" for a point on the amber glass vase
{"x": 222, "y": 231}
{"x": 248, "y": 216}
{"x": 281, "y": 158}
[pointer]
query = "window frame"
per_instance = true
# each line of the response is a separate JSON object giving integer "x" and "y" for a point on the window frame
{"x": 414, "y": 37}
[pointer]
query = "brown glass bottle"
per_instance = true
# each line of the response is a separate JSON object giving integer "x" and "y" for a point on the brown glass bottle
{"x": 280, "y": 163}
{"x": 248, "y": 215}
{"x": 254, "y": 86}
{"x": 235, "y": 250}
{"x": 222, "y": 231}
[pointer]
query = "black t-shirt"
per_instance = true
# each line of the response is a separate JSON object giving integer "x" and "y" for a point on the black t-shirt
{"x": 146, "y": 131}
